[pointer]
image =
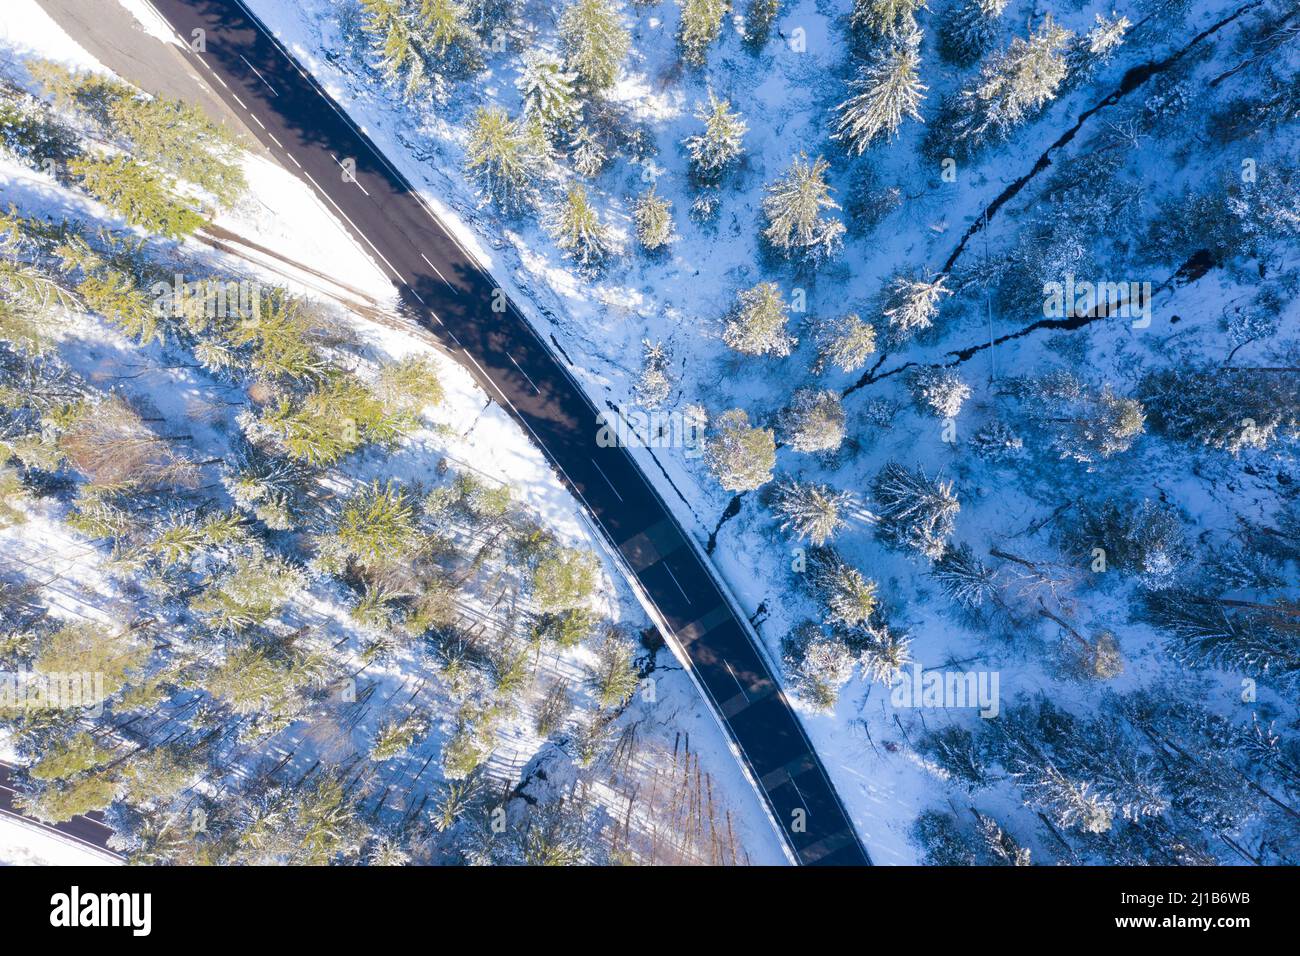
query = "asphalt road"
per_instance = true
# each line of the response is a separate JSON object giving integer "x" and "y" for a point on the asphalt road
{"x": 89, "y": 830}
{"x": 453, "y": 296}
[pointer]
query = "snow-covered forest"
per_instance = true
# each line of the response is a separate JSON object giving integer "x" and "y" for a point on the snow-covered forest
{"x": 985, "y": 311}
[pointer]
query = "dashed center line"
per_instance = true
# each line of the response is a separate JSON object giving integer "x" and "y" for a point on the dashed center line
{"x": 535, "y": 388}
{"x": 675, "y": 581}
{"x": 607, "y": 481}
{"x": 259, "y": 75}
{"x": 440, "y": 275}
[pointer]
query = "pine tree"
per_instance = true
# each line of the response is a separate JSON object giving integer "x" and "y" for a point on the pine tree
{"x": 889, "y": 90}
{"x": 653, "y": 217}
{"x": 813, "y": 421}
{"x": 759, "y": 17}
{"x": 445, "y": 24}
{"x": 1072, "y": 803}
{"x": 376, "y": 526}
{"x": 654, "y": 385}
{"x": 1013, "y": 85}
{"x": 1001, "y": 845}
{"x": 397, "y": 737}
{"x": 967, "y": 580}
{"x": 886, "y": 18}
{"x": 882, "y": 654}
{"x": 587, "y": 154}
{"x": 251, "y": 591}
{"x": 1231, "y": 409}
{"x": 701, "y": 25}
{"x": 910, "y": 303}
{"x": 968, "y": 32}
{"x": 812, "y": 511}
{"x": 396, "y": 40}
{"x": 143, "y": 197}
{"x": 88, "y": 647}
{"x": 504, "y": 160}
{"x": 548, "y": 93}
{"x": 816, "y": 664}
{"x": 615, "y": 676}
{"x": 916, "y": 512}
{"x": 845, "y": 342}
{"x": 938, "y": 391}
{"x": 757, "y": 326}
{"x": 1095, "y": 48}
{"x": 564, "y": 578}
{"x": 595, "y": 41}
{"x": 846, "y": 594}
{"x": 713, "y": 150}
{"x": 1089, "y": 423}
{"x": 793, "y": 208}
{"x": 741, "y": 457}
{"x": 579, "y": 231}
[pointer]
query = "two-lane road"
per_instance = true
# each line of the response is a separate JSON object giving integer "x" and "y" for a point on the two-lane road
{"x": 449, "y": 292}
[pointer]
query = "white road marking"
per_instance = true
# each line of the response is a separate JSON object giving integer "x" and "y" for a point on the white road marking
{"x": 674, "y": 577}
{"x": 259, "y": 75}
{"x": 330, "y": 200}
{"x": 237, "y": 99}
{"x": 440, "y": 275}
{"x": 606, "y": 477}
{"x": 351, "y": 177}
{"x": 531, "y": 382}
{"x": 727, "y": 663}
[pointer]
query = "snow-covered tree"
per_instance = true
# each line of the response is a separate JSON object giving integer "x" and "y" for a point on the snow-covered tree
{"x": 968, "y": 32}
{"x": 793, "y": 208}
{"x": 395, "y": 40}
{"x": 813, "y": 421}
{"x": 910, "y": 302}
{"x": 654, "y": 384}
{"x": 915, "y": 512}
{"x": 888, "y": 90}
{"x": 757, "y": 326}
{"x": 938, "y": 391}
{"x": 615, "y": 676}
{"x": 504, "y": 159}
{"x": 1012, "y": 86}
{"x": 996, "y": 441}
{"x": 845, "y": 593}
{"x": 587, "y": 153}
{"x": 548, "y": 93}
{"x": 653, "y": 218}
{"x": 759, "y": 17}
{"x": 1148, "y": 540}
{"x": 967, "y": 580}
{"x": 720, "y": 144}
{"x": 740, "y": 456}
{"x": 578, "y": 229}
{"x": 886, "y": 18}
{"x": 595, "y": 41}
{"x": 817, "y": 664}
{"x": 1229, "y": 408}
{"x": 701, "y": 25}
{"x": 1095, "y": 48}
{"x": 810, "y": 510}
{"x": 883, "y": 653}
{"x": 845, "y": 342}
{"x": 1088, "y": 423}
